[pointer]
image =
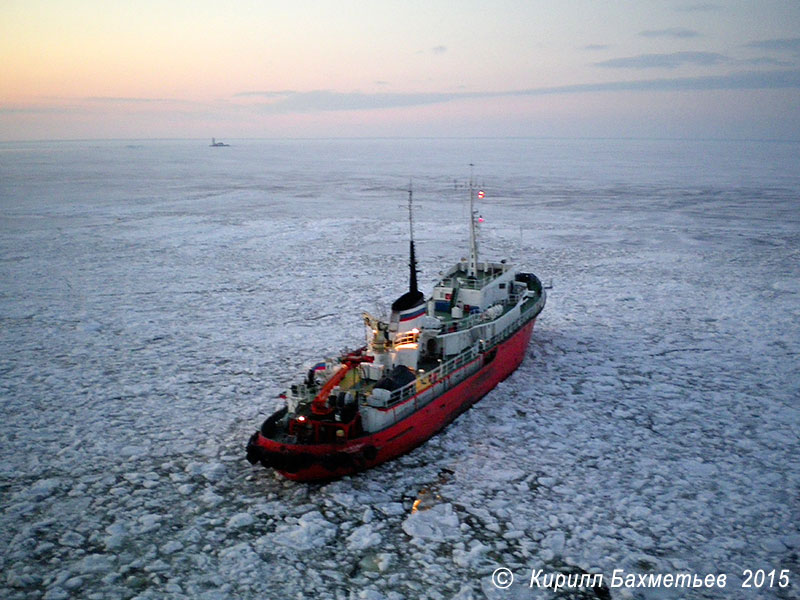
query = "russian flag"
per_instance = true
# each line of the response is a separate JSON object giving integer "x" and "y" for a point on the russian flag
{"x": 417, "y": 312}
{"x": 319, "y": 366}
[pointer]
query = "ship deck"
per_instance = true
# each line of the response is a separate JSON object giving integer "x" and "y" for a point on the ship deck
{"x": 462, "y": 278}
{"x": 467, "y": 321}
{"x": 428, "y": 369}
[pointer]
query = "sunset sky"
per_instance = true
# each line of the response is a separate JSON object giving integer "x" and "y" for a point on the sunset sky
{"x": 301, "y": 68}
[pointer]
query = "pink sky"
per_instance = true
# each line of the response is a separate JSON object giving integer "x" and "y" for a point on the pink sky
{"x": 88, "y": 69}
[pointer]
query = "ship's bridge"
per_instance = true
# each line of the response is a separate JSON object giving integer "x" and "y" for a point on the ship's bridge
{"x": 459, "y": 294}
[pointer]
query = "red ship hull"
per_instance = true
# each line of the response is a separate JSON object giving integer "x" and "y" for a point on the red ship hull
{"x": 310, "y": 462}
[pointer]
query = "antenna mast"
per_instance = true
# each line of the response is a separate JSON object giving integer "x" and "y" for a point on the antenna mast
{"x": 473, "y": 238}
{"x": 410, "y": 213}
{"x": 412, "y": 285}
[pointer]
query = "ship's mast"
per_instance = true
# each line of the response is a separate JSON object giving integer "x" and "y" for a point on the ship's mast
{"x": 473, "y": 238}
{"x": 412, "y": 285}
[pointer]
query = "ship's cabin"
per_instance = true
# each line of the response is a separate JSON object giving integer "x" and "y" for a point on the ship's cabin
{"x": 459, "y": 293}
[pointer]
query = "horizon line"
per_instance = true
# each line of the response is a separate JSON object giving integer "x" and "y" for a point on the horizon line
{"x": 400, "y": 137}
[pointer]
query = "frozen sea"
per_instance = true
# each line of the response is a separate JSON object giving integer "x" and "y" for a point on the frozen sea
{"x": 157, "y": 296}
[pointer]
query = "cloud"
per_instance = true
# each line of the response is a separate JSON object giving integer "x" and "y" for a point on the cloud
{"x": 287, "y": 102}
{"x": 747, "y": 80}
{"x": 55, "y": 105}
{"x": 766, "y": 60}
{"x": 665, "y": 61}
{"x": 119, "y": 100}
{"x": 267, "y": 94}
{"x": 701, "y": 7}
{"x": 33, "y": 110}
{"x": 327, "y": 100}
{"x": 785, "y": 44}
{"x": 596, "y": 47}
{"x": 671, "y": 32}
{"x": 438, "y": 49}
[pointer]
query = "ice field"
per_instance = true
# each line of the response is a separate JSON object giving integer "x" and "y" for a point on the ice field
{"x": 157, "y": 296}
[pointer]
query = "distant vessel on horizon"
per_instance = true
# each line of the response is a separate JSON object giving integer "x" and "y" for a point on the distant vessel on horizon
{"x": 216, "y": 144}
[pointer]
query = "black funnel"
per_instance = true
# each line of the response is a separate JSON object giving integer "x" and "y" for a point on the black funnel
{"x": 413, "y": 297}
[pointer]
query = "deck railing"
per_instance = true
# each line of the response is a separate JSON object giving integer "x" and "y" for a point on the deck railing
{"x": 462, "y": 279}
{"x": 448, "y": 367}
{"x": 439, "y": 375}
{"x": 456, "y": 325}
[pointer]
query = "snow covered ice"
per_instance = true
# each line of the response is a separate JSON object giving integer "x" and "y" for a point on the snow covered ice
{"x": 156, "y": 297}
